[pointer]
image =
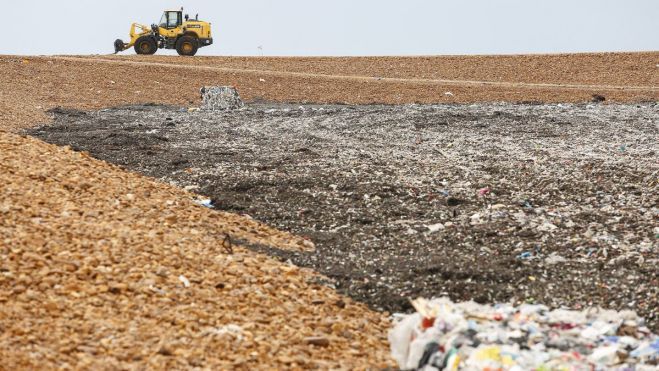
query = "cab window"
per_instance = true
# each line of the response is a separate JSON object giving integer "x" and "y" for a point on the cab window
{"x": 174, "y": 19}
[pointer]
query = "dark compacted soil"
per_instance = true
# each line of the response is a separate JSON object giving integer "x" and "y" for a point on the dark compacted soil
{"x": 554, "y": 204}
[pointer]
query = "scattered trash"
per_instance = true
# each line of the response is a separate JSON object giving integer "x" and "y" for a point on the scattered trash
{"x": 435, "y": 227}
{"x": 443, "y": 335}
{"x": 622, "y": 148}
{"x": 526, "y": 204}
{"x": 220, "y": 98}
{"x": 484, "y": 191}
{"x": 184, "y": 281}
{"x": 476, "y": 218}
{"x": 525, "y": 255}
{"x": 262, "y": 80}
{"x": 448, "y": 94}
{"x": 233, "y": 330}
{"x": 205, "y": 203}
{"x": 554, "y": 259}
{"x": 547, "y": 227}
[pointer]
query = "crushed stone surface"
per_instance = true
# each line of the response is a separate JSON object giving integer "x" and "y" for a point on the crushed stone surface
{"x": 105, "y": 269}
{"x": 552, "y": 204}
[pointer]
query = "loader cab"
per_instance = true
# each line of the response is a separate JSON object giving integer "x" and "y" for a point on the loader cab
{"x": 171, "y": 19}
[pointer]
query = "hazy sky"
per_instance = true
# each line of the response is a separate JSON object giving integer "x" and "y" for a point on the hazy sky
{"x": 347, "y": 27}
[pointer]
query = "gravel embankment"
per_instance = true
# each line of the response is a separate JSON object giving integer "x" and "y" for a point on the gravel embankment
{"x": 105, "y": 269}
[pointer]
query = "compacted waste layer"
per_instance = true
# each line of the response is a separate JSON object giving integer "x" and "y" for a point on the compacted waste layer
{"x": 553, "y": 204}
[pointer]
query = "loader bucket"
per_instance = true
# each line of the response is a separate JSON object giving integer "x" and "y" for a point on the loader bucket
{"x": 119, "y": 46}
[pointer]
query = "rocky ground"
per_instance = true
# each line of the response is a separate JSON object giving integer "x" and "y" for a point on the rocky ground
{"x": 555, "y": 204}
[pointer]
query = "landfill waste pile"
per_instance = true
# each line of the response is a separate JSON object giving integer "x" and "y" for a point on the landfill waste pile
{"x": 220, "y": 98}
{"x": 488, "y": 202}
{"x": 443, "y": 335}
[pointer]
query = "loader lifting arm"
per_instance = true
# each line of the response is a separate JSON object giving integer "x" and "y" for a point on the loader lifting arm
{"x": 136, "y": 31}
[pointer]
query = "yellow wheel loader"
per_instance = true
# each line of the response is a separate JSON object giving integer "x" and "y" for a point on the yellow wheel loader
{"x": 174, "y": 32}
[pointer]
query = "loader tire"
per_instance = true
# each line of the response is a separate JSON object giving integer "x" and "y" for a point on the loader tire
{"x": 146, "y": 45}
{"x": 187, "y": 46}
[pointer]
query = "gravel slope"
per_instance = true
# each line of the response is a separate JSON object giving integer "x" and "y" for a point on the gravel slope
{"x": 101, "y": 268}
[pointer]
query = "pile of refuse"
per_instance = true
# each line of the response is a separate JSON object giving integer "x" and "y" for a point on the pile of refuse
{"x": 220, "y": 98}
{"x": 443, "y": 335}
